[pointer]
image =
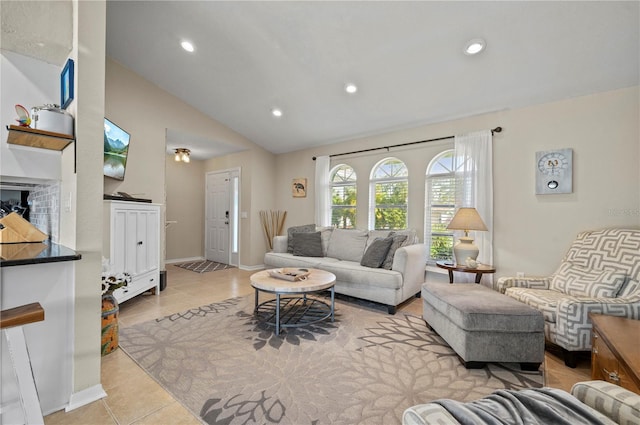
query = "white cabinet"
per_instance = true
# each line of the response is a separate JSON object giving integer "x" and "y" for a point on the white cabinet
{"x": 132, "y": 242}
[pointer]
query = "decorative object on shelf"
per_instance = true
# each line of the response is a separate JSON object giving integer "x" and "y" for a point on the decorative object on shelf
{"x": 51, "y": 118}
{"x": 182, "y": 154}
{"x": 466, "y": 219}
{"x": 110, "y": 308}
{"x": 272, "y": 224}
{"x": 66, "y": 84}
{"x": 299, "y": 188}
{"x": 554, "y": 171}
{"x": 23, "y": 116}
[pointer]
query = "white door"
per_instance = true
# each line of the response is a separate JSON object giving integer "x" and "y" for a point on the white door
{"x": 217, "y": 217}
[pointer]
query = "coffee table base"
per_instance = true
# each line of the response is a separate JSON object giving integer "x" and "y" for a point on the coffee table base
{"x": 289, "y": 312}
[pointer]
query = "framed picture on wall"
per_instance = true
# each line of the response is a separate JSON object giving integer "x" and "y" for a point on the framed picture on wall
{"x": 66, "y": 84}
{"x": 299, "y": 188}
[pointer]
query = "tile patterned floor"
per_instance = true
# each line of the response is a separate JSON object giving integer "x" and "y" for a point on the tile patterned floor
{"x": 135, "y": 398}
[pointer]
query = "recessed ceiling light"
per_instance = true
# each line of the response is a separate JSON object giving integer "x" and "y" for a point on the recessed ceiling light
{"x": 350, "y": 88}
{"x": 474, "y": 46}
{"x": 276, "y": 112}
{"x": 186, "y": 45}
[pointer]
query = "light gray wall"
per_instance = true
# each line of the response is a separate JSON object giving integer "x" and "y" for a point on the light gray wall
{"x": 532, "y": 232}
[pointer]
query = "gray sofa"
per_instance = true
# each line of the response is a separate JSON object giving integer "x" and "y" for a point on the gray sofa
{"x": 589, "y": 402}
{"x": 342, "y": 253}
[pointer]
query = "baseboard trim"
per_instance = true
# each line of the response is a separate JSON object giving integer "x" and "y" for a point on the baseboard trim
{"x": 84, "y": 397}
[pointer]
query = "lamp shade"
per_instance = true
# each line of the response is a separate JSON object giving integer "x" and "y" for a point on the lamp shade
{"x": 467, "y": 219}
{"x": 465, "y": 250}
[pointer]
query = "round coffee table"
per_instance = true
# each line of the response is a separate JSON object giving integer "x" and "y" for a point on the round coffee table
{"x": 291, "y": 311}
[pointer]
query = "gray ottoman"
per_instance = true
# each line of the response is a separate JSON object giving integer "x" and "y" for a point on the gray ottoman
{"x": 482, "y": 325}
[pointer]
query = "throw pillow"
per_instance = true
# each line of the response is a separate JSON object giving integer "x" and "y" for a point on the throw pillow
{"x": 308, "y": 228}
{"x": 398, "y": 241}
{"x": 307, "y": 244}
{"x": 376, "y": 253}
{"x": 377, "y": 234}
{"x": 580, "y": 281}
{"x": 347, "y": 245}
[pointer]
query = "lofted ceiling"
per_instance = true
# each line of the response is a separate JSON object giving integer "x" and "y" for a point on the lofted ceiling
{"x": 405, "y": 57}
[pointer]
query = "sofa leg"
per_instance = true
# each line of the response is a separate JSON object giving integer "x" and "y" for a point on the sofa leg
{"x": 391, "y": 309}
{"x": 570, "y": 359}
{"x": 419, "y": 294}
{"x": 532, "y": 367}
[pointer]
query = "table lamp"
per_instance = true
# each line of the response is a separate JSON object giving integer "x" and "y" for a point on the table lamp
{"x": 466, "y": 219}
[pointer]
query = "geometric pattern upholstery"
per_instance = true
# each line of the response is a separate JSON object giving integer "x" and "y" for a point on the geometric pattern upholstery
{"x": 580, "y": 281}
{"x": 612, "y": 256}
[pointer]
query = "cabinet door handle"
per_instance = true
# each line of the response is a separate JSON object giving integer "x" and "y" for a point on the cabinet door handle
{"x": 612, "y": 375}
{"x": 595, "y": 350}
{"x": 139, "y": 242}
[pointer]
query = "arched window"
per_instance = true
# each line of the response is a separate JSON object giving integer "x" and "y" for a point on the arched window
{"x": 440, "y": 200}
{"x": 343, "y": 197}
{"x": 389, "y": 195}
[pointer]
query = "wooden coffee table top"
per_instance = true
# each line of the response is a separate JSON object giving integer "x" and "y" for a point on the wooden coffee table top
{"x": 317, "y": 280}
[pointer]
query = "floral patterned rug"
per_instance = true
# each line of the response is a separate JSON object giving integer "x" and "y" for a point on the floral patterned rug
{"x": 367, "y": 367}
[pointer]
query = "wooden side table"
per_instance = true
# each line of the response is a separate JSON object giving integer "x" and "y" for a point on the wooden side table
{"x": 479, "y": 271}
{"x": 615, "y": 356}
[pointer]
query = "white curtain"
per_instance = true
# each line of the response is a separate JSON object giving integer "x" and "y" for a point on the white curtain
{"x": 323, "y": 192}
{"x": 474, "y": 188}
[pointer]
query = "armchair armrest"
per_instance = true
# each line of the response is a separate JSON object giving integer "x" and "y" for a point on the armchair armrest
{"x": 280, "y": 244}
{"x": 616, "y": 403}
{"x": 532, "y": 282}
{"x": 573, "y": 326}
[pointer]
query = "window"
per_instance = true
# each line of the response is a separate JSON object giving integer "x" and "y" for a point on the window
{"x": 389, "y": 195}
{"x": 343, "y": 197}
{"x": 440, "y": 206}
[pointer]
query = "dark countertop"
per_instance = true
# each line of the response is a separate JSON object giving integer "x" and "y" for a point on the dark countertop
{"x": 20, "y": 254}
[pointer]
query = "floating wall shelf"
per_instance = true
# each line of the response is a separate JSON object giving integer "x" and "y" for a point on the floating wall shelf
{"x": 31, "y": 137}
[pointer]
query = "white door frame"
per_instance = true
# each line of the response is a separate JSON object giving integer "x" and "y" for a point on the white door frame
{"x": 234, "y": 217}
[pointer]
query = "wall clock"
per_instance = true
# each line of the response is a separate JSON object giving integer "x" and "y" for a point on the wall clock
{"x": 554, "y": 171}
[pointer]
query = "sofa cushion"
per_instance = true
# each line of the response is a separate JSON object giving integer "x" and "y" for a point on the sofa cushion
{"x": 376, "y": 252}
{"x": 352, "y": 273}
{"x": 307, "y": 244}
{"x": 326, "y": 236}
{"x": 376, "y": 234}
{"x": 297, "y": 229}
{"x": 281, "y": 260}
{"x": 542, "y": 299}
{"x": 347, "y": 244}
{"x": 579, "y": 281}
{"x": 398, "y": 241}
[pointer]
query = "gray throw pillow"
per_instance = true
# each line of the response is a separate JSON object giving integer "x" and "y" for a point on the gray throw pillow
{"x": 307, "y": 244}
{"x": 376, "y": 253}
{"x": 398, "y": 240}
{"x": 307, "y": 228}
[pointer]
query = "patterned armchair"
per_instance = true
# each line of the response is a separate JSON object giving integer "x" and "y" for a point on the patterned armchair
{"x": 599, "y": 274}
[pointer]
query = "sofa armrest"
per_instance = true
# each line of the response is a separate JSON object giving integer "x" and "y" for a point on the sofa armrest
{"x": 616, "y": 403}
{"x": 280, "y": 244}
{"x": 573, "y": 326}
{"x": 427, "y": 414}
{"x": 523, "y": 282}
{"x": 411, "y": 261}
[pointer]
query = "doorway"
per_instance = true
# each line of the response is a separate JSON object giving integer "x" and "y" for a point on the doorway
{"x": 222, "y": 206}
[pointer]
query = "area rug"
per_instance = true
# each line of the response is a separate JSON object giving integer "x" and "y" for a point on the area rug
{"x": 367, "y": 367}
{"x": 204, "y": 266}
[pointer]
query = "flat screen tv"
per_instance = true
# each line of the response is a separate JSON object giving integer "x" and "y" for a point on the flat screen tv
{"x": 116, "y": 148}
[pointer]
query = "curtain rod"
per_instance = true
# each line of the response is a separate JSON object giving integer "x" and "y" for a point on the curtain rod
{"x": 495, "y": 130}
